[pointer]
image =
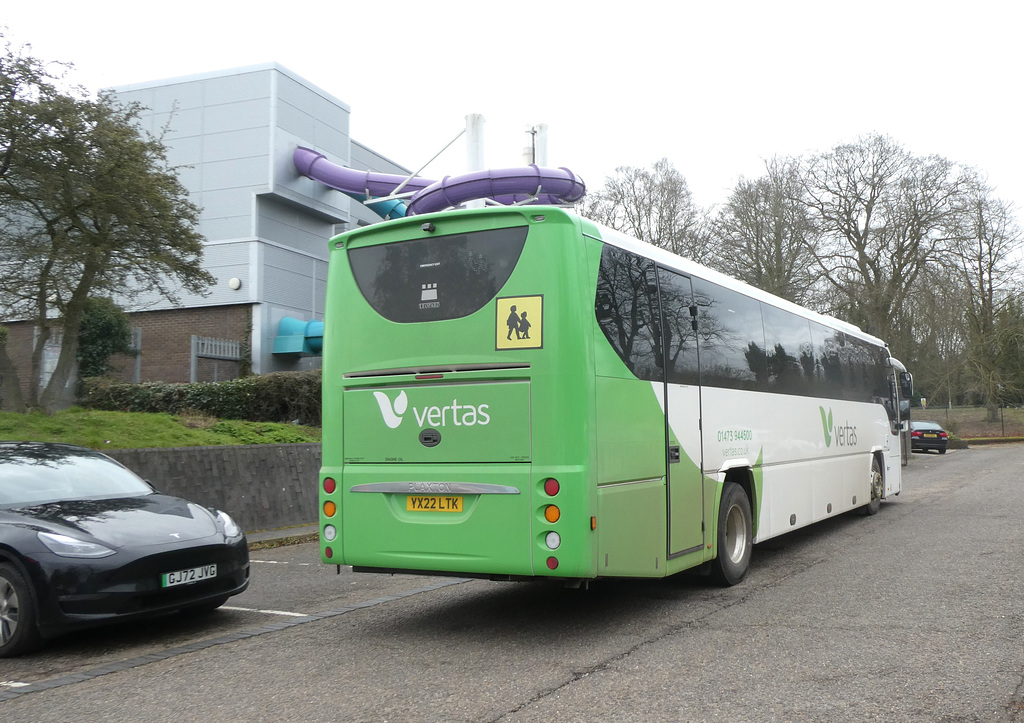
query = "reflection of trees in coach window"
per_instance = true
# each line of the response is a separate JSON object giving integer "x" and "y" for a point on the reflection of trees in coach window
{"x": 646, "y": 314}
{"x": 680, "y": 337}
{"x": 731, "y": 337}
{"x": 462, "y": 272}
{"x": 627, "y": 311}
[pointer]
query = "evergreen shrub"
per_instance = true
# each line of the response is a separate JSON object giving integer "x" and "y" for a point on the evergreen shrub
{"x": 275, "y": 397}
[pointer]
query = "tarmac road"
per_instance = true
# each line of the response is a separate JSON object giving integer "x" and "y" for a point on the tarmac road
{"x": 915, "y": 614}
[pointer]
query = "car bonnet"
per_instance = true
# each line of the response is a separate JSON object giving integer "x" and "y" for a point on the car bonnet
{"x": 125, "y": 521}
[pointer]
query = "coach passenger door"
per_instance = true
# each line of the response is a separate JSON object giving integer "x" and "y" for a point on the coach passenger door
{"x": 685, "y": 486}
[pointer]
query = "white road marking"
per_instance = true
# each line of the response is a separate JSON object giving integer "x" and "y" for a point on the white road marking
{"x": 281, "y": 562}
{"x": 13, "y": 684}
{"x": 265, "y": 612}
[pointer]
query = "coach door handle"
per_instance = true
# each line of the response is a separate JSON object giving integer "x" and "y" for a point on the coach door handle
{"x": 673, "y": 454}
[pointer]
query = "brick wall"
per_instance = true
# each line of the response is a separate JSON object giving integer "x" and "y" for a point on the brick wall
{"x": 262, "y": 486}
{"x": 167, "y": 343}
{"x": 20, "y": 338}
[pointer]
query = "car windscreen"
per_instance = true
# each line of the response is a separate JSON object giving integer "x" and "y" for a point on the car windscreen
{"x": 438, "y": 277}
{"x": 36, "y": 479}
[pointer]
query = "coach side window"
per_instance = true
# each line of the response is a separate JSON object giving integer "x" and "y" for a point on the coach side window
{"x": 790, "y": 350}
{"x": 628, "y": 312}
{"x": 828, "y": 368}
{"x": 680, "y": 336}
{"x": 731, "y": 338}
{"x": 853, "y": 369}
{"x": 868, "y": 373}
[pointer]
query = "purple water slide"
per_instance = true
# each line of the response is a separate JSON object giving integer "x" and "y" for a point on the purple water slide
{"x": 316, "y": 166}
{"x": 505, "y": 185}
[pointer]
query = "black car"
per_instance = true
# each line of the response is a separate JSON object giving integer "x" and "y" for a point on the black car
{"x": 928, "y": 435}
{"x": 83, "y": 541}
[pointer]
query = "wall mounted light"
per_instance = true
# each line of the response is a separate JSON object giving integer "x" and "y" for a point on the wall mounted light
{"x": 235, "y": 284}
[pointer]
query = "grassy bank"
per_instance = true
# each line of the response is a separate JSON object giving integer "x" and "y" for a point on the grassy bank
{"x": 124, "y": 430}
{"x": 972, "y": 422}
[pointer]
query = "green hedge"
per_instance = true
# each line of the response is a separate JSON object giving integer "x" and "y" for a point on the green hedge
{"x": 277, "y": 397}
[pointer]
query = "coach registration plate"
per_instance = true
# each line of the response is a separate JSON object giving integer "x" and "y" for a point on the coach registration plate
{"x": 184, "y": 577}
{"x": 433, "y": 503}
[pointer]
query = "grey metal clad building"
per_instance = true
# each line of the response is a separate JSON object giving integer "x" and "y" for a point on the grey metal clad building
{"x": 233, "y": 133}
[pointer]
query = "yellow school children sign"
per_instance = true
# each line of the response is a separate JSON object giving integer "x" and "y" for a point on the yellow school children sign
{"x": 519, "y": 323}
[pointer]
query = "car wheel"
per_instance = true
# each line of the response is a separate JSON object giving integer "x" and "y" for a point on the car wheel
{"x": 942, "y": 451}
{"x": 18, "y": 633}
{"x": 735, "y": 536}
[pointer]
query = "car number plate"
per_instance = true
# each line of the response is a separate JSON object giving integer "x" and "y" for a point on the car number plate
{"x": 433, "y": 503}
{"x": 184, "y": 577}
{"x": 931, "y": 436}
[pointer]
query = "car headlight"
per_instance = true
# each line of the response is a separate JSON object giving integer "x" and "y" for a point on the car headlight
{"x": 231, "y": 529}
{"x": 72, "y": 547}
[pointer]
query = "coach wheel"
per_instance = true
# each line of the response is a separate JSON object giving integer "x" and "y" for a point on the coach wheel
{"x": 876, "y": 488}
{"x": 735, "y": 535}
{"x": 18, "y": 632}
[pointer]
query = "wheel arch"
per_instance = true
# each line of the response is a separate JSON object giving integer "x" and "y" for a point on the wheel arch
{"x": 878, "y": 455}
{"x": 10, "y": 556}
{"x": 744, "y": 477}
{"x": 26, "y": 633}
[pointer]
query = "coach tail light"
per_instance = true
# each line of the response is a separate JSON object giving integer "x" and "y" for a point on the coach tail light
{"x": 552, "y": 540}
{"x": 330, "y": 532}
{"x": 551, "y": 487}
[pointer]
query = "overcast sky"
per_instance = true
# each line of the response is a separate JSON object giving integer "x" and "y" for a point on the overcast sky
{"x": 715, "y": 87}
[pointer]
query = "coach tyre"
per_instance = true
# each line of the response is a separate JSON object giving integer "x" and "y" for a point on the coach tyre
{"x": 18, "y": 633}
{"x": 876, "y": 488}
{"x": 735, "y": 535}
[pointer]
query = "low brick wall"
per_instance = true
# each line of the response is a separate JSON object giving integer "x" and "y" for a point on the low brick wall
{"x": 262, "y": 486}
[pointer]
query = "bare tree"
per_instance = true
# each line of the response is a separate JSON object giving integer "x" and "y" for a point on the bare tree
{"x": 1010, "y": 338}
{"x": 882, "y": 214}
{"x": 936, "y": 316}
{"x": 766, "y": 236}
{"x": 986, "y": 237}
{"x": 654, "y": 205}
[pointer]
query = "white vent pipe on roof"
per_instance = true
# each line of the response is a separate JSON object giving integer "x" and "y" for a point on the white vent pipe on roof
{"x": 474, "y": 142}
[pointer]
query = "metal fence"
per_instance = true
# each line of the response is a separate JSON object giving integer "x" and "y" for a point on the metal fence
{"x": 205, "y": 347}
